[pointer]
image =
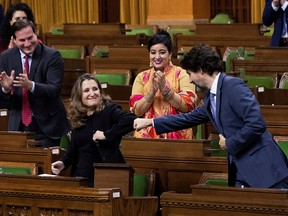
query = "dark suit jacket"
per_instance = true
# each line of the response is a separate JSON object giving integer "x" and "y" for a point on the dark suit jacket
{"x": 46, "y": 71}
{"x": 258, "y": 158}
{"x": 269, "y": 17}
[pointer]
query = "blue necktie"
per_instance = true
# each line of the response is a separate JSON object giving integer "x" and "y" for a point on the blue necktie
{"x": 213, "y": 106}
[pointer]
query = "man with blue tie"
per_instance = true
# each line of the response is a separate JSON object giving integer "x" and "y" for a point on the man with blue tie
{"x": 32, "y": 73}
{"x": 276, "y": 11}
{"x": 254, "y": 158}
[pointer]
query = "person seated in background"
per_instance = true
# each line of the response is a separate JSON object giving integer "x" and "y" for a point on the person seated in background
{"x": 254, "y": 158}
{"x": 164, "y": 89}
{"x": 275, "y": 12}
{"x": 98, "y": 126}
{"x": 32, "y": 74}
{"x": 14, "y": 12}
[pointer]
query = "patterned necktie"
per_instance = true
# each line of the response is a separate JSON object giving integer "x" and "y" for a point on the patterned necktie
{"x": 26, "y": 110}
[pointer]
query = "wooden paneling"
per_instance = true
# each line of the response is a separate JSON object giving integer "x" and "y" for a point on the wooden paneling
{"x": 225, "y": 201}
{"x": 178, "y": 164}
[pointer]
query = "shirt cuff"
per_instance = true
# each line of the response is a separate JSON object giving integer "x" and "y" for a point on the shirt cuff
{"x": 6, "y": 92}
{"x": 274, "y": 8}
{"x": 153, "y": 122}
{"x": 284, "y": 6}
{"x": 33, "y": 87}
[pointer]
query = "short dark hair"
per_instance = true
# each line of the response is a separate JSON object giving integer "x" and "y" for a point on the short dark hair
{"x": 20, "y": 24}
{"x": 161, "y": 37}
{"x": 203, "y": 57}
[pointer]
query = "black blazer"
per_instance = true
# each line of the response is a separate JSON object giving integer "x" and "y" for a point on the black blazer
{"x": 83, "y": 151}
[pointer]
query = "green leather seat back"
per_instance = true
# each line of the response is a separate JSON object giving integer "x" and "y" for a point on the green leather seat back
{"x": 253, "y": 81}
{"x": 148, "y": 32}
{"x": 64, "y": 141}
{"x": 217, "y": 182}
{"x": 112, "y": 79}
{"x": 70, "y": 53}
{"x": 284, "y": 146}
{"x": 222, "y": 18}
{"x": 141, "y": 184}
{"x": 16, "y": 170}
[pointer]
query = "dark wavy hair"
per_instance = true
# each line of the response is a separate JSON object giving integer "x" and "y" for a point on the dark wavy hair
{"x": 6, "y": 31}
{"x": 161, "y": 37}
{"x": 203, "y": 57}
{"x": 77, "y": 111}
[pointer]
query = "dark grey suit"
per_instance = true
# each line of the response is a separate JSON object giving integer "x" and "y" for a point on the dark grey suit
{"x": 47, "y": 73}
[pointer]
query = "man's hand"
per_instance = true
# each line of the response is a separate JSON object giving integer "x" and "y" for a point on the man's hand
{"x": 6, "y": 81}
{"x": 141, "y": 123}
{"x": 222, "y": 142}
{"x": 22, "y": 81}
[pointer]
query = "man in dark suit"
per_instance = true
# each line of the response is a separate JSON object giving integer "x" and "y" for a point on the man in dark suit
{"x": 254, "y": 158}
{"x": 276, "y": 11}
{"x": 37, "y": 70}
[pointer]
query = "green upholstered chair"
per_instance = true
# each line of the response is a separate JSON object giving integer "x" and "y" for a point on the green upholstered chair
{"x": 253, "y": 81}
{"x": 65, "y": 140}
{"x": 214, "y": 179}
{"x": 57, "y": 31}
{"x": 100, "y": 51}
{"x": 144, "y": 184}
{"x": 147, "y": 31}
{"x": 222, "y": 18}
{"x": 19, "y": 168}
{"x": 238, "y": 53}
{"x": 113, "y": 76}
{"x": 71, "y": 51}
{"x": 112, "y": 79}
{"x": 282, "y": 141}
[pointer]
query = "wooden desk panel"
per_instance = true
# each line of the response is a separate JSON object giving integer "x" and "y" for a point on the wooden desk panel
{"x": 15, "y": 139}
{"x": 260, "y": 67}
{"x": 43, "y": 157}
{"x": 27, "y": 199}
{"x": 178, "y": 163}
{"x": 239, "y": 29}
{"x": 4, "y": 117}
{"x": 225, "y": 201}
{"x": 46, "y": 180}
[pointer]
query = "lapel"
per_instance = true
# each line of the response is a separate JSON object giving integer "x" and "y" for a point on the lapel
{"x": 37, "y": 54}
{"x": 219, "y": 98}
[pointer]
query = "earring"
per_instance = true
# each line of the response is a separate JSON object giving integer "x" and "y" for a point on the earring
{"x": 170, "y": 63}
{"x": 151, "y": 64}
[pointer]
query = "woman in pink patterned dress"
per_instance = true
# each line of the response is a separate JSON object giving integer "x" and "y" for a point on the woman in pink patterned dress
{"x": 164, "y": 89}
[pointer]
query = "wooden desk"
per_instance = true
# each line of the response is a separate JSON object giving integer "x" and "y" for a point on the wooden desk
{"x": 4, "y": 118}
{"x": 226, "y": 201}
{"x": 52, "y": 180}
{"x": 243, "y": 29}
{"x": 85, "y": 29}
{"x": 178, "y": 163}
{"x": 43, "y": 157}
{"x": 260, "y": 67}
{"x": 271, "y": 96}
{"x": 28, "y": 199}
{"x": 15, "y": 139}
{"x": 221, "y": 42}
{"x": 90, "y": 41}
{"x": 275, "y": 116}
